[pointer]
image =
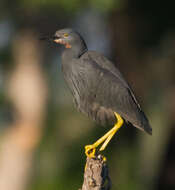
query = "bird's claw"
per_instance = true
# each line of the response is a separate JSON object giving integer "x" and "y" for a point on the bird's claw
{"x": 104, "y": 158}
{"x": 90, "y": 151}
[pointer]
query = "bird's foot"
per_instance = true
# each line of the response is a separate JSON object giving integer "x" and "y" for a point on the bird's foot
{"x": 104, "y": 158}
{"x": 90, "y": 151}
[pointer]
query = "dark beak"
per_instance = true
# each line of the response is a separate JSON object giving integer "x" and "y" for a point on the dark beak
{"x": 52, "y": 38}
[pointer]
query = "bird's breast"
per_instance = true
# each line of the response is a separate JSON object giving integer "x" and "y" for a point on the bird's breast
{"x": 84, "y": 91}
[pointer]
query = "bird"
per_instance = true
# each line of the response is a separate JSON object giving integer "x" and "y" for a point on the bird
{"x": 98, "y": 88}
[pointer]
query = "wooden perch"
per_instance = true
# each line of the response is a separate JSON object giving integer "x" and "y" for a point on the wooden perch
{"x": 96, "y": 174}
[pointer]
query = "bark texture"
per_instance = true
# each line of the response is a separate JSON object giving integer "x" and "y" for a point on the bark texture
{"x": 96, "y": 175}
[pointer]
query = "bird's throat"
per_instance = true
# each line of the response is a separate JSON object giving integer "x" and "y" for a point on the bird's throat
{"x": 73, "y": 52}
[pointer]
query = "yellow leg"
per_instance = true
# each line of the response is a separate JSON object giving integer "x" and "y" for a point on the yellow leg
{"x": 90, "y": 150}
{"x": 107, "y": 141}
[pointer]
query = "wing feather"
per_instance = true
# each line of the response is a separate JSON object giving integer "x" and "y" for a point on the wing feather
{"x": 112, "y": 91}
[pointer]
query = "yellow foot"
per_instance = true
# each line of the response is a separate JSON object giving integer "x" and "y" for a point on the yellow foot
{"x": 90, "y": 151}
{"x": 104, "y": 159}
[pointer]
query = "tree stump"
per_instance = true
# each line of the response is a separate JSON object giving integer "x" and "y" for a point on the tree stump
{"x": 96, "y": 175}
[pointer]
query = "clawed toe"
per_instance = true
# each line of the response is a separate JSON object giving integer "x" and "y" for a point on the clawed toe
{"x": 90, "y": 151}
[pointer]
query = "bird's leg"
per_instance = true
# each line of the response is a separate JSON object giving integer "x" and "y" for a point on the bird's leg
{"x": 90, "y": 150}
{"x": 116, "y": 128}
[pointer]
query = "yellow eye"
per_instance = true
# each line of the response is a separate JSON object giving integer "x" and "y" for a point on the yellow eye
{"x": 66, "y": 34}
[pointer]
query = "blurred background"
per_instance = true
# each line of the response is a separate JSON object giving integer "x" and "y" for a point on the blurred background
{"x": 42, "y": 136}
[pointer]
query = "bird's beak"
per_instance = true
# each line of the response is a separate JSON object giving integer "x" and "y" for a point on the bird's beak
{"x": 52, "y": 38}
{"x": 56, "y": 39}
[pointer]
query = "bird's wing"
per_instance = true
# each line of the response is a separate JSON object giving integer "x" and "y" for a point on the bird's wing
{"x": 111, "y": 92}
{"x": 106, "y": 64}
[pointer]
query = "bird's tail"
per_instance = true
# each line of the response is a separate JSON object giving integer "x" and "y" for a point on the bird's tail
{"x": 145, "y": 124}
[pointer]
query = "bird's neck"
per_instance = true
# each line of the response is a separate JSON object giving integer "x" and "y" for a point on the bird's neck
{"x": 75, "y": 51}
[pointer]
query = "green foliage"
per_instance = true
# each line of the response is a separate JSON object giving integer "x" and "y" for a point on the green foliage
{"x": 72, "y": 5}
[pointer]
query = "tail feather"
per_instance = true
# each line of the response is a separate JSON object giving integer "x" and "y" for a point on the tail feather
{"x": 145, "y": 124}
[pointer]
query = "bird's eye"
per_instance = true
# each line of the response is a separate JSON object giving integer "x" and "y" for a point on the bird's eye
{"x": 66, "y": 34}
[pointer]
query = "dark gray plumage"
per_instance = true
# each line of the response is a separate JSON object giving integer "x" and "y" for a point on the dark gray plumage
{"x": 97, "y": 86}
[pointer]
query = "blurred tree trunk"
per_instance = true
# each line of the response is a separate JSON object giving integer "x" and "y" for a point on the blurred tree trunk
{"x": 153, "y": 150}
{"x": 27, "y": 92}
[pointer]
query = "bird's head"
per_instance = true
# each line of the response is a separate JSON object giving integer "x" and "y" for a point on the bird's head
{"x": 65, "y": 37}
{"x": 68, "y": 37}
